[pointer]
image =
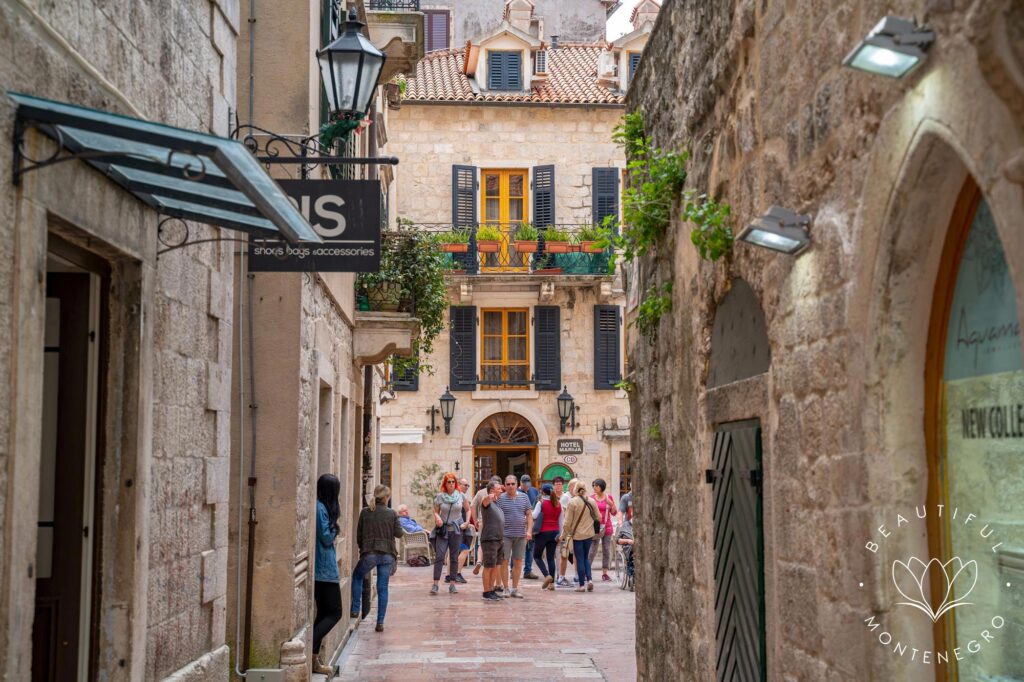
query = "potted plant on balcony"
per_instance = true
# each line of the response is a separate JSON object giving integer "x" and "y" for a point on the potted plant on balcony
{"x": 556, "y": 241}
{"x": 488, "y": 239}
{"x": 455, "y": 241}
{"x": 591, "y": 239}
{"x": 526, "y": 238}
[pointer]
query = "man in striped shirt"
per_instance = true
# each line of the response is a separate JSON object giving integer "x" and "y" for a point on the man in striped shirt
{"x": 518, "y": 531}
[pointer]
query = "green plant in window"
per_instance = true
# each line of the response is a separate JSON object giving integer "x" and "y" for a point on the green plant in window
{"x": 648, "y": 314}
{"x": 590, "y": 233}
{"x": 553, "y": 234}
{"x": 526, "y": 232}
{"x": 412, "y": 264}
{"x": 452, "y": 237}
{"x": 488, "y": 233}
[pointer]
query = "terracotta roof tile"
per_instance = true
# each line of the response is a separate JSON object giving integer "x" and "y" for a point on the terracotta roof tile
{"x": 571, "y": 79}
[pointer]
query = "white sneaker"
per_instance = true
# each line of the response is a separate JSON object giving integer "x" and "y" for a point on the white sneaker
{"x": 562, "y": 582}
{"x": 515, "y": 594}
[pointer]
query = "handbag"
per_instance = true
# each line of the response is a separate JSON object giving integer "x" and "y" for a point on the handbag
{"x": 442, "y": 530}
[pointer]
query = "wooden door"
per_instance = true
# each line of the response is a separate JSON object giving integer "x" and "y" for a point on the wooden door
{"x": 505, "y": 207}
{"x": 55, "y": 629}
{"x": 739, "y": 553}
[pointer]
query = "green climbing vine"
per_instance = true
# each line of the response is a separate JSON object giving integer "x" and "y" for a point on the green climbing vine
{"x": 656, "y": 178}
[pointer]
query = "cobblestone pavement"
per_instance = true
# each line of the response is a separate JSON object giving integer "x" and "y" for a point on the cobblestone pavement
{"x": 545, "y": 636}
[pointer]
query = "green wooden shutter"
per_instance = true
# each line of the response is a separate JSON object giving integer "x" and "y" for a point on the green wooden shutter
{"x": 504, "y": 70}
{"x": 605, "y": 185}
{"x": 634, "y": 61}
{"x": 407, "y": 380}
{"x": 547, "y": 347}
{"x": 607, "y": 354}
{"x": 543, "y": 196}
{"x": 464, "y": 186}
{"x": 462, "y": 351}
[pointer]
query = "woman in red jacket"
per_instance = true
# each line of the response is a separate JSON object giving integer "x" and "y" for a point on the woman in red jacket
{"x": 546, "y": 513}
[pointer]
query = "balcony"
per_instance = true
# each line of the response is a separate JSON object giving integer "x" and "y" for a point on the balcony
{"x": 396, "y": 29}
{"x": 501, "y": 249}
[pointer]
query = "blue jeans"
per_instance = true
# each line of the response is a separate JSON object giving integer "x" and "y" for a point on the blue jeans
{"x": 384, "y": 563}
{"x": 581, "y": 551}
{"x": 528, "y": 566}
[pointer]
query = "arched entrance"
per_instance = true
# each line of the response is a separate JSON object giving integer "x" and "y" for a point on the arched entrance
{"x": 504, "y": 443}
{"x": 974, "y": 430}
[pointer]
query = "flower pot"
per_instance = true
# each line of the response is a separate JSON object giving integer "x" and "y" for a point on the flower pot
{"x": 590, "y": 247}
{"x": 557, "y": 247}
{"x": 455, "y": 248}
{"x": 487, "y": 246}
{"x": 548, "y": 271}
{"x": 526, "y": 247}
{"x": 385, "y": 297}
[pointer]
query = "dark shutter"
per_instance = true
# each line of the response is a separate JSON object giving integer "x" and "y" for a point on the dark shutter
{"x": 504, "y": 70}
{"x": 605, "y": 194}
{"x": 407, "y": 379}
{"x": 435, "y": 29}
{"x": 464, "y": 212}
{"x": 606, "y": 347}
{"x": 634, "y": 61}
{"x": 462, "y": 352}
{"x": 547, "y": 347}
{"x": 543, "y": 196}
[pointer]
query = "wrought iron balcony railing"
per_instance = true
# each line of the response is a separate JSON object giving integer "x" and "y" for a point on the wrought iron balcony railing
{"x": 393, "y": 5}
{"x": 500, "y": 248}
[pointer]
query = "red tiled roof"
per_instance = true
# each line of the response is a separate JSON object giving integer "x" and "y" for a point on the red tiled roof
{"x": 571, "y": 79}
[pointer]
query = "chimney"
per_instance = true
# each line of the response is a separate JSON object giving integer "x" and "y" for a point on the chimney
{"x": 646, "y": 12}
{"x": 519, "y": 13}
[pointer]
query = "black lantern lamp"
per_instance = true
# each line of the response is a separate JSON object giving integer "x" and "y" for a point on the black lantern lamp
{"x": 566, "y": 410}
{"x": 447, "y": 409}
{"x": 349, "y": 68}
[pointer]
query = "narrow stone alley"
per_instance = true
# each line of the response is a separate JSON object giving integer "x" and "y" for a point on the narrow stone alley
{"x": 545, "y": 636}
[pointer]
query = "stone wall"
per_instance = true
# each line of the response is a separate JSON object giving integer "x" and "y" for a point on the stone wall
{"x": 431, "y": 138}
{"x": 775, "y": 119}
{"x": 162, "y": 539}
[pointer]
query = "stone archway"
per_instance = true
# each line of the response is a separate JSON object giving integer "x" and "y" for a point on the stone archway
{"x": 504, "y": 443}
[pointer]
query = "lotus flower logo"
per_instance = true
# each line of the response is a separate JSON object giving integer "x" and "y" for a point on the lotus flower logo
{"x": 913, "y": 578}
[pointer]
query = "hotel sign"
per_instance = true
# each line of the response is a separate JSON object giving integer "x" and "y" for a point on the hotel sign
{"x": 570, "y": 446}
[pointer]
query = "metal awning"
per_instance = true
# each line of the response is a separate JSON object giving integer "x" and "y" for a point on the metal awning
{"x": 178, "y": 172}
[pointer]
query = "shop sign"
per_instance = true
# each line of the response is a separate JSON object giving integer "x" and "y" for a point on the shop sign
{"x": 346, "y": 215}
{"x": 570, "y": 446}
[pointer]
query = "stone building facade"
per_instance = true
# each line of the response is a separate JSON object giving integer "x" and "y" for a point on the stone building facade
{"x": 872, "y": 379}
{"x": 311, "y": 376}
{"x": 131, "y": 584}
{"x": 478, "y": 152}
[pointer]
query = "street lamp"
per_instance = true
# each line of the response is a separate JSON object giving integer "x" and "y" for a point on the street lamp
{"x": 779, "y": 230}
{"x": 447, "y": 409}
{"x": 893, "y": 48}
{"x": 349, "y": 68}
{"x": 566, "y": 410}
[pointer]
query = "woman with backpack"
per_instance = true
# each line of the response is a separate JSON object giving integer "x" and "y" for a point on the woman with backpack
{"x": 607, "y": 509}
{"x": 582, "y": 523}
{"x": 547, "y": 514}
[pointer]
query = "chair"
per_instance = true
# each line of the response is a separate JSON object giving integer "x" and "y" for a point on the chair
{"x": 417, "y": 543}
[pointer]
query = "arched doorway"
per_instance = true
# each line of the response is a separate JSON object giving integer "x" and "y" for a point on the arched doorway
{"x": 504, "y": 443}
{"x": 974, "y": 432}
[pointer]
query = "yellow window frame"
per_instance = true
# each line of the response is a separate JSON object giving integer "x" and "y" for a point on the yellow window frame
{"x": 504, "y": 221}
{"x": 504, "y": 362}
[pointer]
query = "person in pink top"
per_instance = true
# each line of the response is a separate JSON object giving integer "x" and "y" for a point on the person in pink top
{"x": 607, "y": 509}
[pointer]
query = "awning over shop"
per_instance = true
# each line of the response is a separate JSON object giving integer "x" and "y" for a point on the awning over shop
{"x": 401, "y": 435}
{"x": 178, "y": 172}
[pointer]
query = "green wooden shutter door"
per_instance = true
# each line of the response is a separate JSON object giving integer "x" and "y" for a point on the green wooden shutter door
{"x": 547, "y": 347}
{"x": 605, "y": 183}
{"x": 462, "y": 351}
{"x": 606, "y": 347}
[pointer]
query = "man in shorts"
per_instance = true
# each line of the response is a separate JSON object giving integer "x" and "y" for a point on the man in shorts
{"x": 475, "y": 513}
{"x": 492, "y": 532}
{"x": 518, "y": 531}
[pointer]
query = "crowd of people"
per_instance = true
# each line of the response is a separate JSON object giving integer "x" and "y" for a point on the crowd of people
{"x": 509, "y": 525}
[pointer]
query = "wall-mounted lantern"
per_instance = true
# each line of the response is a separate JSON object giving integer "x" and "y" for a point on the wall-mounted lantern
{"x": 447, "y": 409}
{"x": 780, "y": 230}
{"x": 567, "y": 409}
{"x": 893, "y": 48}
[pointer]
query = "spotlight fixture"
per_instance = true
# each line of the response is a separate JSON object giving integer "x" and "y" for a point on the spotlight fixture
{"x": 779, "y": 230}
{"x": 892, "y": 48}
